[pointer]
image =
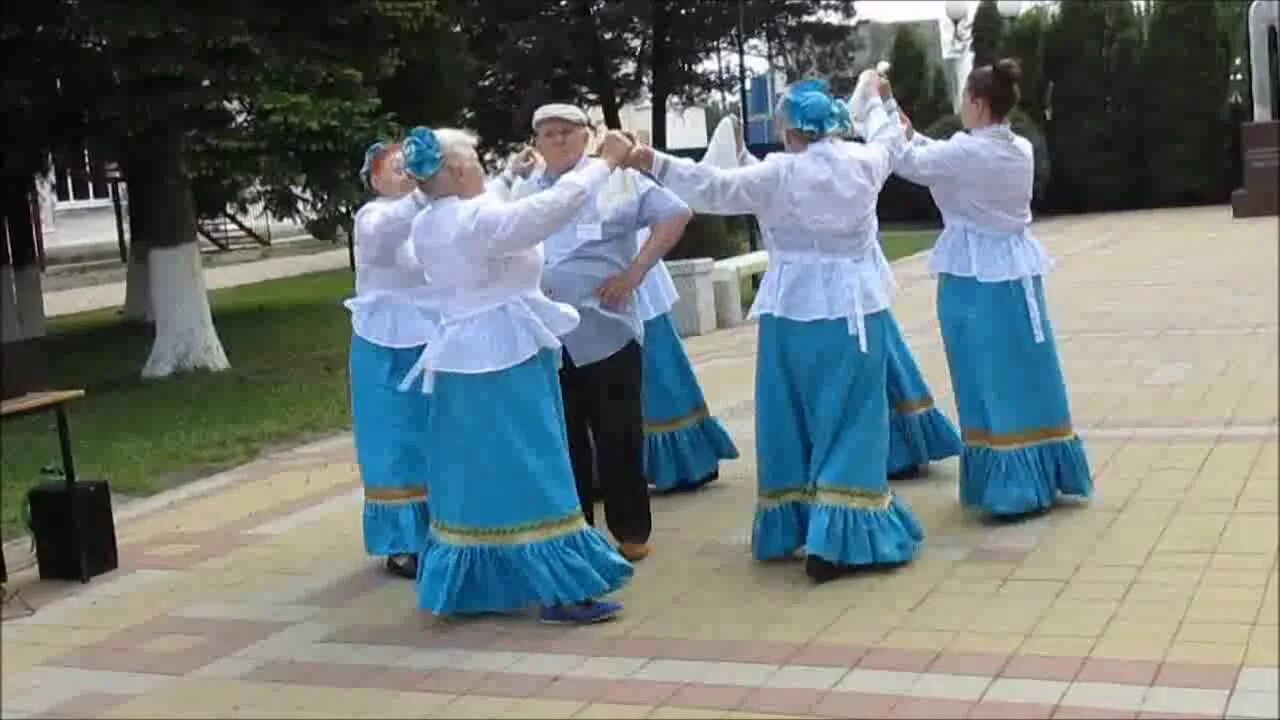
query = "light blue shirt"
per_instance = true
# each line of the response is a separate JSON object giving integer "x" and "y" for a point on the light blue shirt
{"x": 598, "y": 244}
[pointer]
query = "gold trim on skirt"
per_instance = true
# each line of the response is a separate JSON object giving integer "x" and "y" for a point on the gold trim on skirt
{"x": 680, "y": 423}
{"x": 1019, "y": 440}
{"x": 395, "y": 496}
{"x": 849, "y": 498}
{"x": 518, "y": 535}
{"x": 914, "y": 407}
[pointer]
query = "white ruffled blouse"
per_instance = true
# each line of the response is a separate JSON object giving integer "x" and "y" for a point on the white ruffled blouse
{"x": 981, "y": 182}
{"x": 817, "y": 211}
{"x": 394, "y": 306}
{"x": 485, "y": 256}
{"x": 657, "y": 294}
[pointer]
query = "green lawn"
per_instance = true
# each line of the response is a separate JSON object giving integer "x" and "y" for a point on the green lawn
{"x": 287, "y": 341}
{"x": 901, "y": 243}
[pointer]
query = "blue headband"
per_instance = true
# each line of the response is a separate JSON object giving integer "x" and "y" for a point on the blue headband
{"x": 423, "y": 156}
{"x": 810, "y": 109}
{"x": 369, "y": 155}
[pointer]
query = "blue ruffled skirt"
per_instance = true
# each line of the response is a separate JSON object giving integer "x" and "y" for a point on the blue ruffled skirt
{"x": 822, "y": 437}
{"x": 390, "y": 432}
{"x": 918, "y": 431}
{"x": 1020, "y": 450}
{"x": 507, "y": 531}
{"x": 684, "y": 443}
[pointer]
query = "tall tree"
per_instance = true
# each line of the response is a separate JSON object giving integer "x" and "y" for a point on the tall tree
{"x": 1024, "y": 39}
{"x": 1184, "y": 121}
{"x": 38, "y": 117}
{"x": 817, "y": 48}
{"x": 988, "y": 32}
{"x": 1091, "y": 56}
{"x": 937, "y": 101}
{"x": 909, "y": 69}
{"x": 161, "y": 76}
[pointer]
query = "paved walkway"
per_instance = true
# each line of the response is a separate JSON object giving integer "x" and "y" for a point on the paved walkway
{"x": 111, "y": 294}
{"x": 248, "y": 596}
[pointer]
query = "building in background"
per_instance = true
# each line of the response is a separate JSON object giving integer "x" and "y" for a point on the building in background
{"x": 686, "y": 126}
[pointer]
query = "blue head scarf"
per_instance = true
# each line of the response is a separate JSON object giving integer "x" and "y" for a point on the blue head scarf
{"x": 809, "y": 108}
{"x": 423, "y": 156}
{"x": 369, "y": 156}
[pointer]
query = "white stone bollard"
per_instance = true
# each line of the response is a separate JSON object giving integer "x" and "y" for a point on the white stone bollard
{"x": 695, "y": 311}
{"x": 728, "y": 293}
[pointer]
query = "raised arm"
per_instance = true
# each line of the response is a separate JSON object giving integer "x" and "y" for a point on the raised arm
{"x": 506, "y": 227}
{"x": 933, "y": 161}
{"x": 884, "y": 137}
{"x": 734, "y": 191}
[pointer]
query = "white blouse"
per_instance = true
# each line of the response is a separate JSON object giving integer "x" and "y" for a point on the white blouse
{"x": 485, "y": 256}
{"x": 817, "y": 213}
{"x": 657, "y": 294}
{"x": 981, "y": 182}
{"x": 394, "y": 306}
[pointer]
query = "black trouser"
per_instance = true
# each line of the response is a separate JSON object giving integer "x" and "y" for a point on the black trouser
{"x": 602, "y": 401}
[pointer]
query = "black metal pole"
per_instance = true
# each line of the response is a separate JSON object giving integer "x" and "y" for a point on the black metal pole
{"x": 115, "y": 204}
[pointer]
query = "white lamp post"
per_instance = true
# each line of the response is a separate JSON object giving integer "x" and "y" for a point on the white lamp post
{"x": 1009, "y": 9}
{"x": 957, "y": 12}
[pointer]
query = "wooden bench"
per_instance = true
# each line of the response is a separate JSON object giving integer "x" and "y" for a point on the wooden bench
{"x": 56, "y": 401}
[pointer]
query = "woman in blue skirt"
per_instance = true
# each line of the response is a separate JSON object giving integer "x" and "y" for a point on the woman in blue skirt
{"x": 1020, "y": 449}
{"x": 507, "y": 528}
{"x": 918, "y": 432}
{"x": 822, "y": 411}
{"x": 392, "y": 319}
{"x": 684, "y": 442}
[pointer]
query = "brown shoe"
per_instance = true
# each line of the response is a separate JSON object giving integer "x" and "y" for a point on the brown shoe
{"x": 634, "y": 552}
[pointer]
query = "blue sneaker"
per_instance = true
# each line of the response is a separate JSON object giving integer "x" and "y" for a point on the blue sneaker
{"x": 585, "y": 613}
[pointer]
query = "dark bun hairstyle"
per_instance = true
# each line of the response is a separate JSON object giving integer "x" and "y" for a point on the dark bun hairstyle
{"x": 997, "y": 85}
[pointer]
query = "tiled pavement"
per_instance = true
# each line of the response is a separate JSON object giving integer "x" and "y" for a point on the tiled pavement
{"x": 250, "y": 598}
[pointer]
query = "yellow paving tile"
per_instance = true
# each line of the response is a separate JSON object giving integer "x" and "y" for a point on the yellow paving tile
{"x": 1130, "y": 647}
{"x": 1063, "y": 646}
{"x": 538, "y": 708}
{"x": 608, "y": 711}
{"x": 1200, "y": 652}
{"x": 1219, "y": 633}
{"x": 1264, "y": 646}
{"x": 918, "y": 639}
{"x": 477, "y": 706}
{"x": 993, "y": 643}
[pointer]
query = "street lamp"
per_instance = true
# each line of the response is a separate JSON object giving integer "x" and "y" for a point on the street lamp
{"x": 957, "y": 11}
{"x": 1009, "y": 9}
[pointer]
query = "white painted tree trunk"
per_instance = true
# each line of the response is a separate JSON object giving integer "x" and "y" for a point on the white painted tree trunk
{"x": 29, "y": 290}
{"x": 10, "y": 323}
{"x": 137, "y": 293}
{"x": 185, "y": 336}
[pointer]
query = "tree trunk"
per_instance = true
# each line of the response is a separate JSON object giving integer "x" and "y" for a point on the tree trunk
{"x": 185, "y": 336}
{"x": 137, "y": 283}
{"x": 660, "y": 87}
{"x": 20, "y": 219}
{"x": 9, "y": 324}
{"x": 601, "y": 78}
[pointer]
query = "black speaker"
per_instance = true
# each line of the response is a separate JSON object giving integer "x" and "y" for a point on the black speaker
{"x": 74, "y": 530}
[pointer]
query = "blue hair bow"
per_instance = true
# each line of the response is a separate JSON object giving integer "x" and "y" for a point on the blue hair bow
{"x": 423, "y": 156}
{"x": 367, "y": 168}
{"x": 811, "y": 109}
